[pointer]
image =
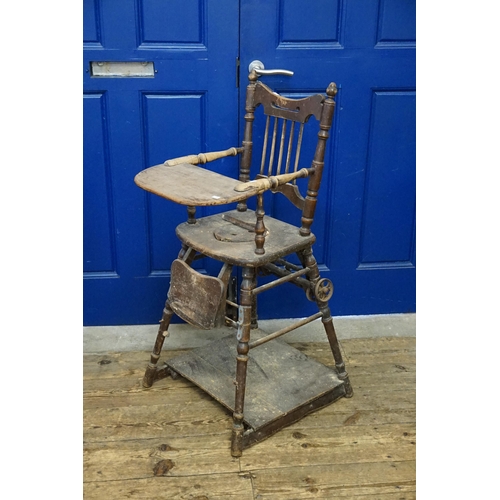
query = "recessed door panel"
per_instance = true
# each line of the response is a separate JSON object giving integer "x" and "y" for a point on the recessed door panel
{"x": 387, "y": 234}
{"x": 99, "y": 236}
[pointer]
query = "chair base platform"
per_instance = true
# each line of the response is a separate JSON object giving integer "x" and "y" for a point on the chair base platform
{"x": 283, "y": 384}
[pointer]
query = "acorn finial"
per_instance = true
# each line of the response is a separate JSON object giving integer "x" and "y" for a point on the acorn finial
{"x": 332, "y": 90}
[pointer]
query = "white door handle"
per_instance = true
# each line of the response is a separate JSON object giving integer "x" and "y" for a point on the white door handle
{"x": 259, "y": 68}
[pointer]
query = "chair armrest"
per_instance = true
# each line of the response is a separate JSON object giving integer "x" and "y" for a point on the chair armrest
{"x": 261, "y": 185}
{"x": 203, "y": 157}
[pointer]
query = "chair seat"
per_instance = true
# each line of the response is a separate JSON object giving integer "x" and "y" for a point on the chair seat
{"x": 188, "y": 184}
{"x": 229, "y": 237}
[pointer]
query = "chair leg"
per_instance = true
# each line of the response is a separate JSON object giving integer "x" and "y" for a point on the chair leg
{"x": 255, "y": 316}
{"x": 186, "y": 254}
{"x": 334, "y": 345}
{"x": 149, "y": 376}
{"x": 248, "y": 283}
{"x": 308, "y": 260}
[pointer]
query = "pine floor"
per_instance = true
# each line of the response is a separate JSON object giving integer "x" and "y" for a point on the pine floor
{"x": 172, "y": 441}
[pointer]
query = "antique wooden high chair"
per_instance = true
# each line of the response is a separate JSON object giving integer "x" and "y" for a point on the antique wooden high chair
{"x": 271, "y": 385}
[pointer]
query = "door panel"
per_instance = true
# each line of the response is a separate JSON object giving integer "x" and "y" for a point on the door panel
{"x": 99, "y": 245}
{"x": 161, "y": 127}
{"x": 183, "y": 23}
{"x": 298, "y": 27}
{"x": 396, "y": 22}
{"x": 388, "y": 212}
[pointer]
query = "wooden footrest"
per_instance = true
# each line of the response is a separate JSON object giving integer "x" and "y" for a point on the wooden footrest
{"x": 283, "y": 384}
{"x": 196, "y": 298}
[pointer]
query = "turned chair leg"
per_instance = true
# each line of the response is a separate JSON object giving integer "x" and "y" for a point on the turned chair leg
{"x": 254, "y": 322}
{"x": 243, "y": 336}
{"x": 334, "y": 345}
{"x": 187, "y": 255}
{"x": 308, "y": 260}
{"x": 150, "y": 374}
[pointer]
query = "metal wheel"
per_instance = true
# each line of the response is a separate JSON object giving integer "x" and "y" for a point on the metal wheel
{"x": 323, "y": 290}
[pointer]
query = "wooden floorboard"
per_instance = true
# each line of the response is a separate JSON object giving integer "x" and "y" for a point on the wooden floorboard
{"x": 172, "y": 441}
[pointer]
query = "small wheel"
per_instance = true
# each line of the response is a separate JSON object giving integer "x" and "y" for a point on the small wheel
{"x": 323, "y": 289}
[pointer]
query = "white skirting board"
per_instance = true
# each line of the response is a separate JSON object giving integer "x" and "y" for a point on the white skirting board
{"x": 98, "y": 339}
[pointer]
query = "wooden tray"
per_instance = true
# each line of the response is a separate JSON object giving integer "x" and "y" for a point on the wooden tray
{"x": 190, "y": 185}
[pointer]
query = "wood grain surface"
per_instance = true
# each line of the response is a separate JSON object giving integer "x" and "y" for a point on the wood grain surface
{"x": 172, "y": 441}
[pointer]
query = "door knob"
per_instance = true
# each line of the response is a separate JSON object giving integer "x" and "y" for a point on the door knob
{"x": 259, "y": 68}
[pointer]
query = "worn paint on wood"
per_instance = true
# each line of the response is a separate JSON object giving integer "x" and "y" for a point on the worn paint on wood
{"x": 281, "y": 239}
{"x": 195, "y": 297}
{"x": 360, "y": 448}
{"x": 190, "y": 185}
{"x": 232, "y": 486}
{"x": 379, "y": 480}
{"x": 279, "y": 378}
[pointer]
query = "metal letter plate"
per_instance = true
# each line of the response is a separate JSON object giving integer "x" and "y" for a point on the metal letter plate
{"x": 126, "y": 69}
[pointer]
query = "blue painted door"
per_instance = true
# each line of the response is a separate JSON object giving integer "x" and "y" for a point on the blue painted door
{"x": 130, "y": 123}
{"x": 366, "y": 222}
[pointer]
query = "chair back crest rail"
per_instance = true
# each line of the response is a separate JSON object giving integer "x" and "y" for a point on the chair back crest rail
{"x": 282, "y": 143}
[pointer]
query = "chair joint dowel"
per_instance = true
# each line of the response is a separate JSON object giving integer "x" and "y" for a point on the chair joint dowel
{"x": 287, "y": 329}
